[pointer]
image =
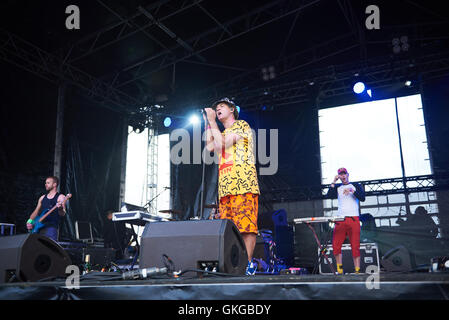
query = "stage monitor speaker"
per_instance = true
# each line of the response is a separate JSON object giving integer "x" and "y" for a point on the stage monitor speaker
{"x": 31, "y": 257}
{"x": 398, "y": 259}
{"x": 194, "y": 244}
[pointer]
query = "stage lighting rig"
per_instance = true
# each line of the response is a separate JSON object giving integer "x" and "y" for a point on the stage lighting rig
{"x": 400, "y": 44}
{"x": 144, "y": 117}
{"x": 268, "y": 73}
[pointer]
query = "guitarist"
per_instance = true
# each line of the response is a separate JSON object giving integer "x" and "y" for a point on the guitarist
{"x": 47, "y": 202}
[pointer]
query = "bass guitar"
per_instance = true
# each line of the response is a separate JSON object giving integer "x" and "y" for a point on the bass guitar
{"x": 39, "y": 224}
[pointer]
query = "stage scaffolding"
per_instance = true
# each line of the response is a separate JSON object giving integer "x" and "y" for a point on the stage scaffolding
{"x": 385, "y": 199}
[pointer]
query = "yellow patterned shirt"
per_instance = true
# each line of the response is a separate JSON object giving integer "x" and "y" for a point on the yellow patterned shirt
{"x": 237, "y": 169}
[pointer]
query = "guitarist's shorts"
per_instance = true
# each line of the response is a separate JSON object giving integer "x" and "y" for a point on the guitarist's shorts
{"x": 50, "y": 232}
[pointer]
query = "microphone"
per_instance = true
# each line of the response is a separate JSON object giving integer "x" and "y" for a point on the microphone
{"x": 143, "y": 273}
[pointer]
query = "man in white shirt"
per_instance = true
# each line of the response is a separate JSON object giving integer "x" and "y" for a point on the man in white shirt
{"x": 349, "y": 195}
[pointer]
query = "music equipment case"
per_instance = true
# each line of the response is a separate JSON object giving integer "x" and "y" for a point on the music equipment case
{"x": 369, "y": 255}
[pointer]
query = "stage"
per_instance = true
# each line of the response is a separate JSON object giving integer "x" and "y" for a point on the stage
{"x": 390, "y": 286}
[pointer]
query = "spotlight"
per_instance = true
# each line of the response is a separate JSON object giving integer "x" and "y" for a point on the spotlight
{"x": 359, "y": 87}
{"x": 194, "y": 119}
{"x": 167, "y": 122}
{"x": 369, "y": 93}
{"x": 400, "y": 44}
{"x": 268, "y": 73}
{"x": 408, "y": 83}
{"x": 138, "y": 129}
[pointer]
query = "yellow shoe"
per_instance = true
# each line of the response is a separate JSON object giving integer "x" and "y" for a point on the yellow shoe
{"x": 357, "y": 270}
{"x": 339, "y": 268}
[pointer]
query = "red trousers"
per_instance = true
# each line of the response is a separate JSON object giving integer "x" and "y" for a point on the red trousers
{"x": 349, "y": 227}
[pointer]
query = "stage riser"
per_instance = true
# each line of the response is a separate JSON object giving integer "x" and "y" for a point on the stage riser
{"x": 410, "y": 286}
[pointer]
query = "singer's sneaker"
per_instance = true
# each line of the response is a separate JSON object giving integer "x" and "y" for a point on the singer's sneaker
{"x": 251, "y": 269}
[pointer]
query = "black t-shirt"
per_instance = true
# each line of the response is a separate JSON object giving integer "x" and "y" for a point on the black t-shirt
{"x": 114, "y": 234}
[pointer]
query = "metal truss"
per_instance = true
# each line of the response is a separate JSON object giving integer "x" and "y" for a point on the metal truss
{"x": 224, "y": 32}
{"x": 27, "y": 56}
{"x": 336, "y": 81}
{"x": 249, "y": 89}
{"x": 124, "y": 28}
{"x": 240, "y": 83}
{"x": 413, "y": 184}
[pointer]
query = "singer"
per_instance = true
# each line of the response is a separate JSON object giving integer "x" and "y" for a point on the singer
{"x": 238, "y": 187}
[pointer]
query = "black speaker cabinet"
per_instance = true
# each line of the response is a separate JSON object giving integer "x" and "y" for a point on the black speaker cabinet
{"x": 194, "y": 244}
{"x": 31, "y": 257}
{"x": 398, "y": 259}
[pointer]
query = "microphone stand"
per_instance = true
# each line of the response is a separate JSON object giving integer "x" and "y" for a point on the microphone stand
{"x": 203, "y": 173}
{"x": 149, "y": 202}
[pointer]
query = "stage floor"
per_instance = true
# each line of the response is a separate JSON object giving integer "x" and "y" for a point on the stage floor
{"x": 388, "y": 286}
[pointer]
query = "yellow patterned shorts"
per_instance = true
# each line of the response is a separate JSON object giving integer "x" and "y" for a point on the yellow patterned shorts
{"x": 242, "y": 209}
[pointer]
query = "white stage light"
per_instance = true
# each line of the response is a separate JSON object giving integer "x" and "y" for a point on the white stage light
{"x": 359, "y": 87}
{"x": 194, "y": 119}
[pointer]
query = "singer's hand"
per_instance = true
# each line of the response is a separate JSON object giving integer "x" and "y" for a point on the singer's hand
{"x": 29, "y": 226}
{"x": 211, "y": 115}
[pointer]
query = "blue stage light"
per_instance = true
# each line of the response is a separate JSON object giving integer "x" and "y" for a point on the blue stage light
{"x": 359, "y": 87}
{"x": 167, "y": 122}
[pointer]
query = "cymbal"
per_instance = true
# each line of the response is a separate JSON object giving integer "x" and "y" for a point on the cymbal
{"x": 170, "y": 211}
{"x": 211, "y": 206}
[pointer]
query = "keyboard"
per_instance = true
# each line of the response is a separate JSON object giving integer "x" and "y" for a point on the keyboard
{"x": 139, "y": 218}
{"x": 318, "y": 219}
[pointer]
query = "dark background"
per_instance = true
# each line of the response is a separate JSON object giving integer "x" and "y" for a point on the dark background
{"x": 92, "y": 129}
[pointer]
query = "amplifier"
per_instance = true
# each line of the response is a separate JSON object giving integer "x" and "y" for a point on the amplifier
{"x": 98, "y": 256}
{"x": 369, "y": 256}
